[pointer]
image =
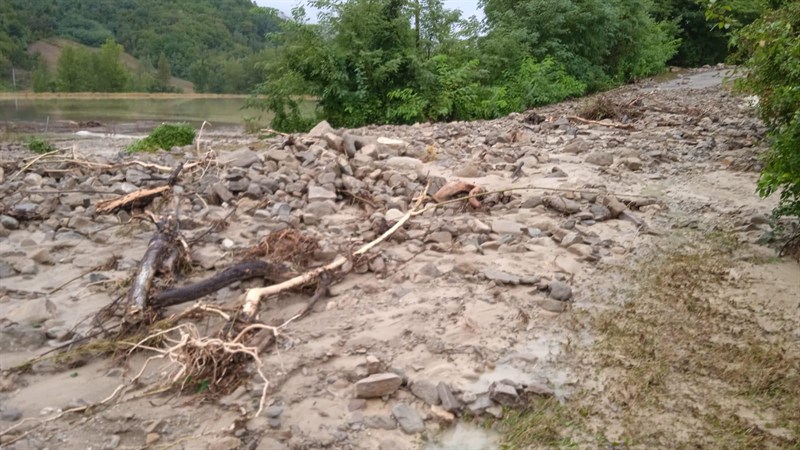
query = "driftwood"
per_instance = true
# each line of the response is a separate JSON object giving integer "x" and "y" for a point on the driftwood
{"x": 239, "y": 272}
{"x": 621, "y": 126}
{"x": 253, "y": 296}
{"x": 139, "y": 196}
{"x": 456, "y": 187}
{"x": 157, "y": 250}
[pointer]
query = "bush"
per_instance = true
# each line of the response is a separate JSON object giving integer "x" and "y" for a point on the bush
{"x": 40, "y": 145}
{"x": 164, "y": 137}
{"x": 771, "y": 46}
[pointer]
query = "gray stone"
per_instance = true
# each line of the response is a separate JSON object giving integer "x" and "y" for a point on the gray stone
{"x": 33, "y": 311}
{"x": 599, "y": 212}
{"x": 26, "y": 209}
{"x": 242, "y": 158}
{"x": 573, "y": 237}
{"x": 222, "y": 192}
{"x": 378, "y": 385}
{"x": 449, "y": 401}
{"x": 393, "y": 215}
{"x": 441, "y": 237}
{"x": 319, "y": 193}
{"x": 9, "y": 223}
{"x": 224, "y": 443}
{"x": 356, "y": 404}
{"x": 18, "y": 337}
{"x": 499, "y": 276}
{"x": 560, "y": 291}
{"x": 408, "y": 418}
{"x": 380, "y": 422}
{"x": 503, "y": 226}
{"x": 503, "y": 394}
{"x": 25, "y": 266}
{"x": 561, "y": 204}
{"x": 548, "y": 304}
{"x": 334, "y": 141}
{"x": 9, "y": 413}
{"x": 480, "y": 405}
{"x": 321, "y": 208}
{"x": 603, "y": 159}
{"x": 425, "y": 391}
{"x": 277, "y": 154}
{"x": 273, "y": 411}
{"x": 615, "y": 206}
{"x": 404, "y": 163}
{"x": 6, "y": 270}
{"x": 576, "y": 146}
{"x": 321, "y": 129}
{"x": 135, "y": 176}
{"x": 239, "y": 185}
{"x": 633, "y": 164}
{"x": 75, "y": 199}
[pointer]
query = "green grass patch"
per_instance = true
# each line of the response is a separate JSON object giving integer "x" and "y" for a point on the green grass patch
{"x": 40, "y": 145}
{"x": 164, "y": 137}
{"x": 543, "y": 423}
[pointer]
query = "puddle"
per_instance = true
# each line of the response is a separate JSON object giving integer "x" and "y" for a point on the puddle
{"x": 465, "y": 436}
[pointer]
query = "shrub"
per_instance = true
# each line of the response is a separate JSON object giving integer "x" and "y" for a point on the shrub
{"x": 164, "y": 137}
{"x": 40, "y": 145}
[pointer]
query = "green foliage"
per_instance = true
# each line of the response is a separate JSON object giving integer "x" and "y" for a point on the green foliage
{"x": 40, "y": 145}
{"x": 82, "y": 70}
{"x": 771, "y": 48}
{"x": 164, "y": 137}
{"x": 542, "y": 83}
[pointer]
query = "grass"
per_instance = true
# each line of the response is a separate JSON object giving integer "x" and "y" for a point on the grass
{"x": 541, "y": 424}
{"x": 40, "y": 145}
{"x": 677, "y": 349}
{"x": 164, "y": 137}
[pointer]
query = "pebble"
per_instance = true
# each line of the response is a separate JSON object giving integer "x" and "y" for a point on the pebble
{"x": 8, "y": 222}
{"x": 273, "y": 411}
{"x": 560, "y": 291}
{"x": 380, "y": 422}
{"x": 575, "y": 146}
{"x": 408, "y": 418}
{"x": 425, "y": 391}
{"x": 603, "y": 159}
{"x": 500, "y": 276}
{"x": 449, "y": 401}
{"x": 378, "y": 385}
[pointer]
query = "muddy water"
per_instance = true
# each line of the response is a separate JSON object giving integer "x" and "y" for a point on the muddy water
{"x": 222, "y": 111}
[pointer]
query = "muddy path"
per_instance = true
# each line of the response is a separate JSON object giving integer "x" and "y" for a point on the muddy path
{"x": 613, "y": 290}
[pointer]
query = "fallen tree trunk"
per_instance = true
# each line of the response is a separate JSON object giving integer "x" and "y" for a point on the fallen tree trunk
{"x": 239, "y": 272}
{"x": 127, "y": 199}
{"x": 157, "y": 249}
{"x": 621, "y": 126}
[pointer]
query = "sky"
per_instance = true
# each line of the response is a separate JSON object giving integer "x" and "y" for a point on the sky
{"x": 467, "y": 7}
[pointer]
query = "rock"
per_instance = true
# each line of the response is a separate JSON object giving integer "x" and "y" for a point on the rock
{"x": 404, "y": 163}
{"x": 224, "y": 443}
{"x": 17, "y": 337}
{"x": 151, "y": 438}
{"x": 273, "y": 411}
{"x": 532, "y": 202}
{"x": 425, "y": 391}
{"x": 449, "y": 402}
{"x": 408, "y": 418}
{"x": 499, "y": 276}
{"x": 503, "y": 394}
{"x": 548, "y": 304}
{"x": 6, "y": 270}
{"x": 615, "y": 206}
{"x": 75, "y": 199}
{"x": 356, "y": 404}
{"x": 560, "y": 291}
{"x": 442, "y": 414}
{"x": 135, "y": 176}
{"x": 112, "y": 442}
{"x": 396, "y": 146}
{"x": 2, "y": 175}
{"x": 9, "y": 223}
{"x": 603, "y": 159}
{"x": 393, "y": 215}
{"x": 480, "y": 405}
{"x": 441, "y": 237}
{"x": 503, "y": 226}
{"x": 576, "y": 146}
{"x": 321, "y": 209}
{"x": 321, "y": 129}
{"x": 319, "y": 193}
{"x": 380, "y": 422}
{"x": 32, "y": 312}
{"x": 277, "y": 154}
{"x": 369, "y": 151}
{"x": 495, "y": 411}
{"x": 240, "y": 185}
{"x": 633, "y": 164}
{"x": 471, "y": 170}
{"x": 373, "y": 364}
{"x": 599, "y": 212}
{"x": 561, "y": 204}
{"x": 334, "y": 141}
{"x": 242, "y": 158}
{"x": 225, "y": 196}
{"x": 573, "y": 237}
{"x": 9, "y": 413}
{"x": 378, "y": 385}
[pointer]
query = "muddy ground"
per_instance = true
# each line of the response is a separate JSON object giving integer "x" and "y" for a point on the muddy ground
{"x": 616, "y": 290}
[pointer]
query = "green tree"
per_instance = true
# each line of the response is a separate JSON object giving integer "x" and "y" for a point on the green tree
{"x": 164, "y": 73}
{"x": 110, "y": 75}
{"x": 770, "y": 47}
{"x": 75, "y": 71}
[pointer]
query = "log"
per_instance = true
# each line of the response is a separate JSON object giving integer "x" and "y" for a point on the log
{"x": 109, "y": 206}
{"x": 621, "y": 126}
{"x": 239, "y": 272}
{"x": 157, "y": 249}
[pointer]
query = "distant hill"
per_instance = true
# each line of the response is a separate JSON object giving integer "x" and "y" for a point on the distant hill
{"x": 213, "y": 43}
{"x": 50, "y": 51}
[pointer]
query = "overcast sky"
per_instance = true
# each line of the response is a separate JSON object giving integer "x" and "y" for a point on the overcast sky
{"x": 467, "y": 7}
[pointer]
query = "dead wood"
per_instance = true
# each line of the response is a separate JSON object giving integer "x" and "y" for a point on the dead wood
{"x": 142, "y": 195}
{"x": 621, "y": 126}
{"x": 239, "y": 272}
{"x": 456, "y": 187}
{"x": 158, "y": 249}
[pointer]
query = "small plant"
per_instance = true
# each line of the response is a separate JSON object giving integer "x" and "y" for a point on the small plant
{"x": 165, "y": 136}
{"x": 40, "y": 145}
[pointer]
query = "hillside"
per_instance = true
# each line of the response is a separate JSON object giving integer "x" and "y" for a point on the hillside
{"x": 213, "y": 43}
{"x": 50, "y": 51}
